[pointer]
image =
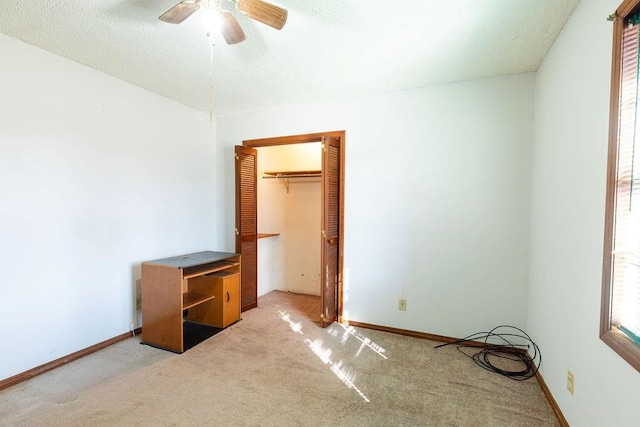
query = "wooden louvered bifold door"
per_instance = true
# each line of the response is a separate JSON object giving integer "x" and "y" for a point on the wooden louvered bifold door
{"x": 247, "y": 224}
{"x": 330, "y": 228}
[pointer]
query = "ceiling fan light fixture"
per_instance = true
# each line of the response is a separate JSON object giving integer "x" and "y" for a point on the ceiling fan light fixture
{"x": 219, "y": 20}
{"x": 211, "y": 20}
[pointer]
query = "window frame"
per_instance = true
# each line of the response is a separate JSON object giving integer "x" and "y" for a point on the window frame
{"x": 618, "y": 341}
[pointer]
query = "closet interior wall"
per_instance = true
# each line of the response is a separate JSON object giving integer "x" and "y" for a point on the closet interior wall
{"x": 290, "y": 261}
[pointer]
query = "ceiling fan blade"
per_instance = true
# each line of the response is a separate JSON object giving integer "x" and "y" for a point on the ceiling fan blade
{"x": 180, "y": 12}
{"x": 264, "y": 12}
{"x": 230, "y": 28}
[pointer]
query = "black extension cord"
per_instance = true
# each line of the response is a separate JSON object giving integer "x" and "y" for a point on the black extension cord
{"x": 505, "y": 349}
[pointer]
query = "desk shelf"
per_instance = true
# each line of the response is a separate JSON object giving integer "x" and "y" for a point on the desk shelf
{"x": 191, "y": 299}
{"x": 201, "y": 270}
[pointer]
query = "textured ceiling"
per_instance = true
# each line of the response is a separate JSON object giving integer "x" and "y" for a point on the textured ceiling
{"x": 328, "y": 49}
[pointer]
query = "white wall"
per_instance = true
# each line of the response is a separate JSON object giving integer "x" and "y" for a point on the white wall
{"x": 303, "y": 226}
{"x": 95, "y": 177}
{"x": 570, "y": 153}
{"x": 271, "y": 219}
{"x": 291, "y": 261}
{"x": 437, "y": 199}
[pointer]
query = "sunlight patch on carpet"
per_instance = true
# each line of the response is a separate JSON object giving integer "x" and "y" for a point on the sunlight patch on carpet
{"x": 366, "y": 341}
{"x": 345, "y": 375}
{"x": 295, "y": 326}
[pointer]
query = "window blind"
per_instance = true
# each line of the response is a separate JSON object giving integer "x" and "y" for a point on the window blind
{"x": 625, "y": 292}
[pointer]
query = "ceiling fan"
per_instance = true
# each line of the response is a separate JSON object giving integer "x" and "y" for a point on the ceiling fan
{"x": 259, "y": 10}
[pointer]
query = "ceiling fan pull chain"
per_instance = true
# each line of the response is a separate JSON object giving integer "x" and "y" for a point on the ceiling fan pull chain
{"x": 211, "y": 45}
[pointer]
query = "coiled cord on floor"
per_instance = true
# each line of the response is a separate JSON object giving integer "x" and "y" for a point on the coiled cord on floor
{"x": 526, "y": 354}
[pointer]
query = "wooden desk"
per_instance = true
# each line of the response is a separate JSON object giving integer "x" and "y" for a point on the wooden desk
{"x": 204, "y": 285}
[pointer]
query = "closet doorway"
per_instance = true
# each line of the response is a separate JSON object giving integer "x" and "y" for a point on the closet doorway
{"x": 331, "y": 230}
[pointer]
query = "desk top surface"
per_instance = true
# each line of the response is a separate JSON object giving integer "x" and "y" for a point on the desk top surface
{"x": 191, "y": 260}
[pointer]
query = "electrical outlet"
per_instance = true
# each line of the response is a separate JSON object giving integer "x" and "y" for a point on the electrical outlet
{"x": 138, "y": 303}
{"x": 402, "y": 304}
{"x": 570, "y": 382}
{"x": 132, "y": 326}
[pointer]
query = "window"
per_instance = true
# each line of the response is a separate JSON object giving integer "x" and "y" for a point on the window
{"x": 620, "y": 317}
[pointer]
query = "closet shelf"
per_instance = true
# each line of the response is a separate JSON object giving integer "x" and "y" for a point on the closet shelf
{"x": 284, "y": 176}
{"x": 293, "y": 174}
{"x": 264, "y": 235}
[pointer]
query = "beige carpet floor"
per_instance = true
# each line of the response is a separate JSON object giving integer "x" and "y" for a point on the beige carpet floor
{"x": 277, "y": 367}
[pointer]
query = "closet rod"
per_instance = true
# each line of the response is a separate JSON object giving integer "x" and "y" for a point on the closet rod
{"x": 284, "y": 177}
